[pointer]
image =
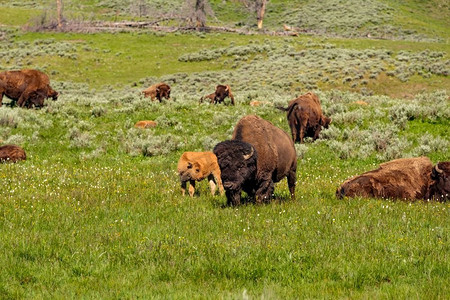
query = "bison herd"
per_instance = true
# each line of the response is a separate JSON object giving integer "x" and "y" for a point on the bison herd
{"x": 259, "y": 153}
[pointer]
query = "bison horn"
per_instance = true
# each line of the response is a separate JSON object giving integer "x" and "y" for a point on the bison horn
{"x": 247, "y": 156}
{"x": 437, "y": 168}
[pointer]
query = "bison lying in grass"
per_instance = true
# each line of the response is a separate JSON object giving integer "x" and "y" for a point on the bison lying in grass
{"x": 259, "y": 155}
{"x": 196, "y": 166}
{"x": 305, "y": 117}
{"x": 26, "y": 87}
{"x": 11, "y": 153}
{"x": 406, "y": 178}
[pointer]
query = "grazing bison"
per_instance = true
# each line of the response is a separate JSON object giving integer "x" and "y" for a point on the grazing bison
{"x": 11, "y": 153}
{"x": 26, "y": 87}
{"x": 405, "y": 178}
{"x": 223, "y": 91}
{"x": 158, "y": 91}
{"x": 196, "y": 166}
{"x": 305, "y": 117}
{"x": 256, "y": 140}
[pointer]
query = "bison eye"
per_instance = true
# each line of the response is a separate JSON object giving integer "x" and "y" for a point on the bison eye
{"x": 197, "y": 170}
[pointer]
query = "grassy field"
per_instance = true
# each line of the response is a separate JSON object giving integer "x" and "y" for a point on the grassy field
{"x": 96, "y": 209}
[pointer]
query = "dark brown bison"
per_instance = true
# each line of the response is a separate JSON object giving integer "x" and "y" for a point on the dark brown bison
{"x": 305, "y": 117}
{"x": 256, "y": 140}
{"x": 405, "y": 178}
{"x": 26, "y": 87}
{"x": 158, "y": 91}
{"x": 223, "y": 91}
{"x": 11, "y": 153}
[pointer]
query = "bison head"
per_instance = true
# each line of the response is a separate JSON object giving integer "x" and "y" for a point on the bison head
{"x": 222, "y": 91}
{"x": 192, "y": 171}
{"x": 237, "y": 162}
{"x": 441, "y": 177}
{"x": 163, "y": 91}
{"x": 325, "y": 121}
{"x": 52, "y": 94}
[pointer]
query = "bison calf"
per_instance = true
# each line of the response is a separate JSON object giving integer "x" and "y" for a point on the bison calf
{"x": 11, "y": 153}
{"x": 406, "y": 178}
{"x": 196, "y": 166}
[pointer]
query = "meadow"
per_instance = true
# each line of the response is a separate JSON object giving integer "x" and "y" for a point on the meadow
{"x": 96, "y": 209}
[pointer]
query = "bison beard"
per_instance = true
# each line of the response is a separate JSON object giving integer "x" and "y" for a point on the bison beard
{"x": 237, "y": 161}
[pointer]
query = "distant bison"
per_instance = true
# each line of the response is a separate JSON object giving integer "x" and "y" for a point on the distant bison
{"x": 406, "y": 178}
{"x": 196, "y": 166}
{"x": 259, "y": 155}
{"x": 223, "y": 91}
{"x": 210, "y": 98}
{"x": 158, "y": 91}
{"x": 145, "y": 124}
{"x": 26, "y": 87}
{"x": 305, "y": 117}
{"x": 11, "y": 153}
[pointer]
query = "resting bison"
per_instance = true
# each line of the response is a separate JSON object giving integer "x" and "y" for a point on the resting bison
{"x": 196, "y": 166}
{"x": 406, "y": 178}
{"x": 305, "y": 117}
{"x": 158, "y": 91}
{"x": 223, "y": 91}
{"x": 145, "y": 124}
{"x": 26, "y": 87}
{"x": 11, "y": 153}
{"x": 256, "y": 140}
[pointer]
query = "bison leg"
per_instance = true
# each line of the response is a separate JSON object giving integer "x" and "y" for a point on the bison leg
{"x": 233, "y": 197}
{"x": 183, "y": 187}
{"x": 232, "y": 98}
{"x": 218, "y": 181}
{"x": 291, "y": 179}
{"x": 212, "y": 184}
{"x": 191, "y": 188}
{"x": 264, "y": 192}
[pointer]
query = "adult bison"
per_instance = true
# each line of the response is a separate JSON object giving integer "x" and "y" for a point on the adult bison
{"x": 305, "y": 117}
{"x": 26, "y": 87}
{"x": 259, "y": 155}
{"x": 405, "y": 178}
{"x": 223, "y": 91}
{"x": 11, "y": 153}
{"x": 196, "y": 166}
{"x": 158, "y": 91}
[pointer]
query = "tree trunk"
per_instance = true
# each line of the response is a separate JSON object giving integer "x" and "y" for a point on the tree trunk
{"x": 59, "y": 12}
{"x": 261, "y": 9}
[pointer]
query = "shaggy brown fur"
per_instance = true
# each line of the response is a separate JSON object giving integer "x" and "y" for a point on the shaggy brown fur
{"x": 276, "y": 156}
{"x": 223, "y": 91}
{"x": 405, "y": 178}
{"x": 158, "y": 91}
{"x": 196, "y": 166}
{"x": 11, "y": 153}
{"x": 305, "y": 117}
{"x": 27, "y": 87}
